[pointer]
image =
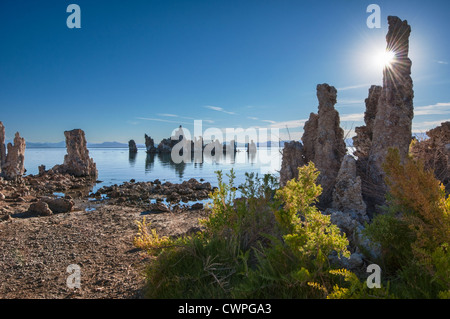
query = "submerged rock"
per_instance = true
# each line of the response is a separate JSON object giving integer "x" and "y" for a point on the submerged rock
{"x": 141, "y": 193}
{"x": 132, "y": 146}
{"x": 150, "y": 144}
{"x": 166, "y": 145}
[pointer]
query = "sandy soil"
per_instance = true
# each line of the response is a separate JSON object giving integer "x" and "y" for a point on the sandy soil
{"x": 36, "y": 251}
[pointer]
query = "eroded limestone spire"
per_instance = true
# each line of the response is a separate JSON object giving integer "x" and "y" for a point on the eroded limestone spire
{"x": 323, "y": 140}
{"x": 13, "y": 166}
{"x": 393, "y": 120}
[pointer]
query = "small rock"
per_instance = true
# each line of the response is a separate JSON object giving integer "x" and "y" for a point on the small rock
{"x": 197, "y": 206}
{"x": 41, "y": 208}
{"x": 159, "y": 207}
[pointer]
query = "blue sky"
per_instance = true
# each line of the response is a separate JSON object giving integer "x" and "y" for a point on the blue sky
{"x": 139, "y": 67}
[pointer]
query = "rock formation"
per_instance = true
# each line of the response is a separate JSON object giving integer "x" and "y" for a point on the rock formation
{"x": 2, "y": 146}
{"x": 139, "y": 193}
{"x": 166, "y": 145}
{"x": 323, "y": 144}
{"x": 394, "y": 114}
{"x": 292, "y": 159}
{"x": 132, "y": 146}
{"x": 77, "y": 161}
{"x": 347, "y": 196}
{"x": 323, "y": 141}
{"x": 13, "y": 166}
{"x": 363, "y": 139}
{"x": 434, "y": 152}
{"x": 150, "y": 144}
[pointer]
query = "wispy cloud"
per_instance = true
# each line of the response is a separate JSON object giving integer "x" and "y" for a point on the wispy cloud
{"x": 442, "y": 62}
{"x": 349, "y": 102}
{"x": 289, "y": 124}
{"x": 161, "y": 120}
{"x": 218, "y": 109}
{"x": 353, "y": 87}
{"x": 167, "y": 115}
{"x": 184, "y": 117}
{"x": 354, "y": 117}
{"x": 133, "y": 122}
{"x": 252, "y": 118}
{"x": 433, "y": 109}
{"x": 269, "y": 121}
{"x": 422, "y": 127}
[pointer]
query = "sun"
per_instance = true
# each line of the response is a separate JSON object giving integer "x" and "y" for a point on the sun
{"x": 384, "y": 59}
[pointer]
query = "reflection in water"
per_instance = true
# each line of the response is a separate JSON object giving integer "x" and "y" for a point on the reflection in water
{"x": 132, "y": 158}
{"x": 149, "y": 161}
{"x": 197, "y": 158}
{"x": 166, "y": 160}
{"x": 115, "y": 165}
{"x": 208, "y": 159}
{"x": 252, "y": 156}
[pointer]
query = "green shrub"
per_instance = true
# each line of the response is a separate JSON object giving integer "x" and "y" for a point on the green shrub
{"x": 414, "y": 232}
{"x": 295, "y": 264}
{"x": 269, "y": 243}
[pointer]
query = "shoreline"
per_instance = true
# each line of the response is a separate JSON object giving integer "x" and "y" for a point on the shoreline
{"x": 95, "y": 234}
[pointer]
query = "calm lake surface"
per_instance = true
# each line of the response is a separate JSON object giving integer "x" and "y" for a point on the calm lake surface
{"x": 116, "y": 165}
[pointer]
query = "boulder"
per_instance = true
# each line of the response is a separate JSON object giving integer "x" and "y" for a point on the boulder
{"x": 58, "y": 205}
{"x": 40, "y": 208}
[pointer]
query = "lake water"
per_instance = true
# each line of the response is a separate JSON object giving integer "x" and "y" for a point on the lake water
{"x": 116, "y": 165}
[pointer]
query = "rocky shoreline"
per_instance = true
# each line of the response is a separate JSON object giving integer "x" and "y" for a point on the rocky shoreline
{"x": 43, "y": 233}
{"x": 52, "y": 220}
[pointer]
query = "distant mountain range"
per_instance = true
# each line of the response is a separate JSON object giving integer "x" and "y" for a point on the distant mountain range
{"x": 348, "y": 141}
{"x": 89, "y": 145}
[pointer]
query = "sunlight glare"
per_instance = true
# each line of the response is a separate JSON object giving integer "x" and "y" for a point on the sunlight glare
{"x": 384, "y": 59}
